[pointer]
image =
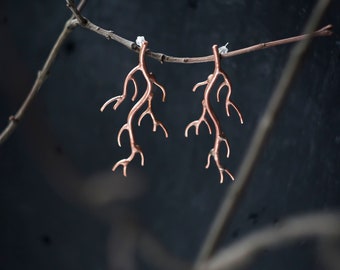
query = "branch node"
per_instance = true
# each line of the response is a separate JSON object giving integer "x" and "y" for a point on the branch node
{"x": 162, "y": 59}
{"x": 12, "y": 118}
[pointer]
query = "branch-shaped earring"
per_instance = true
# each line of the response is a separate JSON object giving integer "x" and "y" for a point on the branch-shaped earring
{"x": 145, "y": 99}
{"x": 207, "y": 110}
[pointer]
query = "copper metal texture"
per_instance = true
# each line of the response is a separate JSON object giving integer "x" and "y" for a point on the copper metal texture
{"x": 145, "y": 99}
{"x": 208, "y": 110}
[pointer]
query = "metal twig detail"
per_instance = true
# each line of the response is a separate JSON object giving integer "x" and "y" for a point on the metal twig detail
{"x": 207, "y": 110}
{"x": 145, "y": 99}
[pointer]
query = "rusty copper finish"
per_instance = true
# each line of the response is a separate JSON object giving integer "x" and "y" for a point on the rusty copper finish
{"x": 145, "y": 99}
{"x": 207, "y": 109}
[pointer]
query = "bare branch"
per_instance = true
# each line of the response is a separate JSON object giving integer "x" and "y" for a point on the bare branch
{"x": 41, "y": 77}
{"x": 161, "y": 57}
{"x": 320, "y": 226}
{"x": 76, "y": 12}
{"x": 234, "y": 194}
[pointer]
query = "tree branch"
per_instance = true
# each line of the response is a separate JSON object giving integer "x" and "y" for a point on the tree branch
{"x": 41, "y": 76}
{"x": 109, "y": 34}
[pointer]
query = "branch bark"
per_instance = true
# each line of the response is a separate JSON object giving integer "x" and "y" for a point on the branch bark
{"x": 161, "y": 57}
{"x": 41, "y": 77}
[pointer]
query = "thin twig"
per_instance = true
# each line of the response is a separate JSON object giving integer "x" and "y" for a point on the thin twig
{"x": 320, "y": 226}
{"x": 234, "y": 194}
{"x": 41, "y": 77}
{"x": 76, "y": 11}
{"x": 109, "y": 34}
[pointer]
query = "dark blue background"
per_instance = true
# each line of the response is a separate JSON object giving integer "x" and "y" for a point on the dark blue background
{"x": 63, "y": 208}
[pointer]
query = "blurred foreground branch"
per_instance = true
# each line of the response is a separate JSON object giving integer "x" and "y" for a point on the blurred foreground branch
{"x": 319, "y": 226}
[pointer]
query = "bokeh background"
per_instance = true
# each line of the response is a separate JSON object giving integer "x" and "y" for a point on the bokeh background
{"x": 63, "y": 208}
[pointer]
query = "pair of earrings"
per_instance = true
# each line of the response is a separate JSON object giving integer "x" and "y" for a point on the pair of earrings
{"x": 207, "y": 110}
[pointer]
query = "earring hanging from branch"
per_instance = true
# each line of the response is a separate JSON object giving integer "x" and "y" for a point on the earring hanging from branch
{"x": 145, "y": 99}
{"x": 208, "y": 111}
